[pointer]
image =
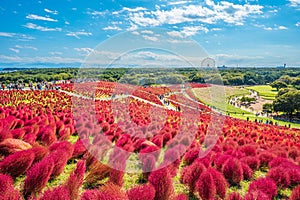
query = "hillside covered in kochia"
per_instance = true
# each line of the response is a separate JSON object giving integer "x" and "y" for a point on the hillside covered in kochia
{"x": 52, "y": 142}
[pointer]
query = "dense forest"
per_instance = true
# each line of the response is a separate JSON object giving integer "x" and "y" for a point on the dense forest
{"x": 139, "y": 76}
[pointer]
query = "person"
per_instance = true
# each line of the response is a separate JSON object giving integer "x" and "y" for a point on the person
{"x": 247, "y": 118}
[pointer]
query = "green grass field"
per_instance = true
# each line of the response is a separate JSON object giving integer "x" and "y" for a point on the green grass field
{"x": 265, "y": 91}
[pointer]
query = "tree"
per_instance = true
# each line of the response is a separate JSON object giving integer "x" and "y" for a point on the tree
{"x": 288, "y": 102}
{"x": 268, "y": 107}
{"x": 278, "y": 85}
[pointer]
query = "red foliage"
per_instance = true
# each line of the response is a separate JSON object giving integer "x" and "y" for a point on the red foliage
{"x": 191, "y": 174}
{"x": 296, "y": 194}
{"x": 17, "y": 163}
{"x": 39, "y": 153}
{"x": 116, "y": 177}
{"x": 265, "y": 158}
{"x": 10, "y": 146}
{"x": 233, "y": 171}
{"x": 162, "y": 182}
{"x": 191, "y": 155}
{"x": 247, "y": 172}
{"x": 7, "y": 190}
{"x": 219, "y": 181}
{"x": 249, "y": 150}
{"x": 111, "y": 191}
{"x": 181, "y": 197}
{"x": 141, "y": 192}
{"x": 257, "y": 195}
{"x": 264, "y": 185}
{"x": 58, "y": 193}
{"x": 206, "y": 186}
{"x": 37, "y": 177}
{"x": 90, "y": 195}
{"x": 234, "y": 196}
{"x": 97, "y": 171}
{"x": 65, "y": 146}
{"x": 79, "y": 148}
{"x": 280, "y": 176}
{"x": 60, "y": 159}
{"x": 76, "y": 179}
{"x": 252, "y": 161}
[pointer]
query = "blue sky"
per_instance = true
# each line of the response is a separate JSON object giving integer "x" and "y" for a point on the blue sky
{"x": 234, "y": 33}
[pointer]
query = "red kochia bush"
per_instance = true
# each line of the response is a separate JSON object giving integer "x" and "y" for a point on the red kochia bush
{"x": 111, "y": 191}
{"x": 162, "y": 182}
{"x": 220, "y": 182}
{"x": 76, "y": 179}
{"x": 17, "y": 163}
{"x": 79, "y": 148}
{"x": 60, "y": 159}
{"x": 257, "y": 195}
{"x": 141, "y": 192}
{"x": 264, "y": 185}
{"x": 65, "y": 146}
{"x": 252, "y": 161}
{"x": 90, "y": 195}
{"x": 181, "y": 197}
{"x": 280, "y": 176}
{"x": 191, "y": 174}
{"x": 265, "y": 158}
{"x": 206, "y": 186}
{"x": 117, "y": 177}
{"x": 37, "y": 177}
{"x": 233, "y": 171}
{"x": 234, "y": 196}
{"x": 247, "y": 172}
{"x": 39, "y": 153}
{"x": 58, "y": 193}
{"x": 296, "y": 194}
{"x": 10, "y": 146}
{"x": 7, "y": 190}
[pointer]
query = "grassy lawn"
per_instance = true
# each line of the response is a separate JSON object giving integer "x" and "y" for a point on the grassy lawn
{"x": 265, "y": 91}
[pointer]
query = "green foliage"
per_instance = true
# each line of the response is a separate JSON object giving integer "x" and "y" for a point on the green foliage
{"x": 268, "y": 107}
{"x": 288, "y": 102}
{"x": 278, "y": 84}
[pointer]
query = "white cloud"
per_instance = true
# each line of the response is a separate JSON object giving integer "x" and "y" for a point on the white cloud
{"x": 211, "y": 13}
{"x": 297, "y": 24}
{"x": 54, "y": 12}
{"x": 134, "y": 9}
{"x": 135, "y": 33}
{"x": 79, "y": 33}
{"x": 26, "y": 47}
{"x": 50, "y": 59}
{"x": 19, "y": 37}
{"x": 109, "y": 28}
{"x": 36, "y": 17}
{"x": 150, "y": 38}
{"x": 14, "y": 50}
{"x": 95, "y": 13}
{"x": 192, "y": 30}
{"x": 5, "y": 34}
{"x": 275, "y": 28}
{"x": 295, "y": 3}
{"x": 55, "y": 53}
{"x": 175, "y": 34}
{"x": 178, "y": 2}
{"x": 84, "y": 50}
{"x": 147, "y": 32}
{"x": 282, "y": 28}
{"x": 40, "y": 28}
